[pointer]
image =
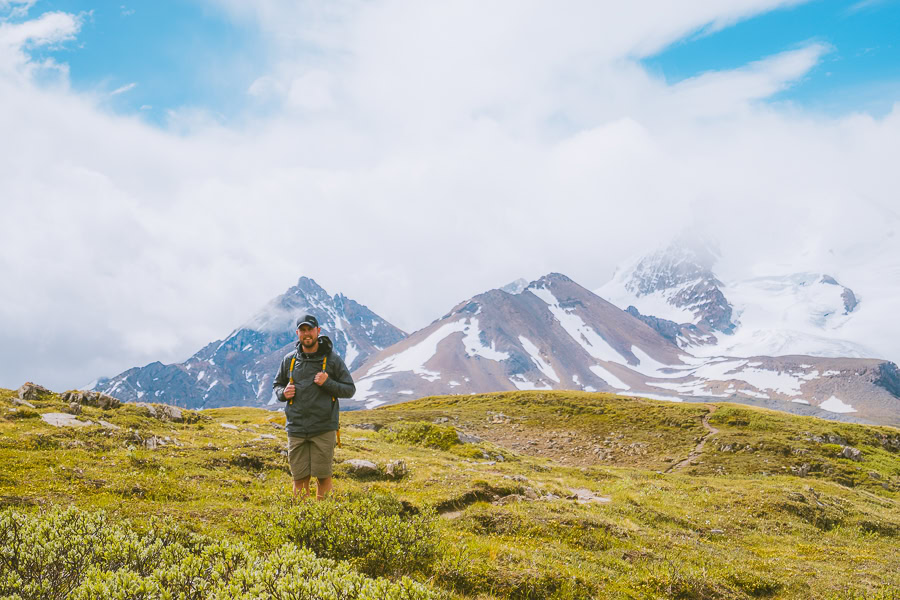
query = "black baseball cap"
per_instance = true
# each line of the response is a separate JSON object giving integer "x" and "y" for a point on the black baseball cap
{"x": 307, "y": 320}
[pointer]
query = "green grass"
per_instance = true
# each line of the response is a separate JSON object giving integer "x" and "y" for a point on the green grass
{"x": 745, "y": 519}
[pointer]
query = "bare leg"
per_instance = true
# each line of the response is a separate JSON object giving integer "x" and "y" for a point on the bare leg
{"x": 323, "y": 487}
{"x": 301, "y": 487}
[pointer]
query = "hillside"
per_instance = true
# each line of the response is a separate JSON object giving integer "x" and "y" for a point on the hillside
{"x": 552, "y": 495}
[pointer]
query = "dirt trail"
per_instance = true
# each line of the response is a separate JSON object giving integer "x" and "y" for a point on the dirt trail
{"x": 710, "y": 430}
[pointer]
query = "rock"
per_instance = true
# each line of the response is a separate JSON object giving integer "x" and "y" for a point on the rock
{"x": 166, "y": 412}
{"x": 359, "y": 466}
{"x": 586, "y": 496}
{"x": 891, "y": 444}
{"x": 530, "y": 493}
{"x": 465, "y": 438}
{"x": 510, "y": 499}
{"x": 153, "y": 443}
{"x": 802, "y": 470}
{"x": 396, "y": 469}
{"x": 63, "y": 420}
{"x": 717, "y": 531}
{"x": 107, "y": 425}
{"x": 74, "y": 408}
{"x": 499, "y": 458}
{"x": 267, "y": 436}
{"x": 440, "y": 420}
{"x": 32, "y": 391}
{"x": 228, "y": 426}
{"x": 369, "y": 426}
{"x": 874, "y": 475}
{"x": 87, "y": 398}
{"x": 851, "y": 453}
{"x": 23, "y": 403}
{"x": 277, "y": 425}
{"x": 171, "y": 413}
{"x": 498, "y": 419}
{"x": 830, "y": 438}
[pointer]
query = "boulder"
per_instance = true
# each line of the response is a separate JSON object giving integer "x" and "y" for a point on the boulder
{"x": 23, "y": 403}
{"x": 851, "y": 453}
{"x": 167, "y": 412}
{"x": 64, "y": 420}
{"x": 359, "y": 466}
{"x": 396, "y": 469}
{"x": 33, "y": 391}
{"x": 369, "y": 426}
{"x": 74, "y": 408}
{"x": 465, "y": 438}
{"x": 87, "y": 398}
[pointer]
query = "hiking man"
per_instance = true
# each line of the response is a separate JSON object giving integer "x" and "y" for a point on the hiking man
{"x": 310, "y": 380}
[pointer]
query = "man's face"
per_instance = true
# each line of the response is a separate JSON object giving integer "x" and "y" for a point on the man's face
{"x": 309, "y": 336}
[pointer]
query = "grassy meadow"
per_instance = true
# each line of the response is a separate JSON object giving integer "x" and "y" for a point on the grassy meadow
{"x": 563, "y": 495}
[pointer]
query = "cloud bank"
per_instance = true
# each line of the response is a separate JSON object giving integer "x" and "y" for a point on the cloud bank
{"x": 411, "y": 155}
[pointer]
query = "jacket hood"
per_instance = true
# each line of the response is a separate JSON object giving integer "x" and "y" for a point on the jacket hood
{"x": 325, "y": 346}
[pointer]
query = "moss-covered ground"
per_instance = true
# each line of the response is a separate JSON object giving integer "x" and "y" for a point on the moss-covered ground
{"x": 560, "y": 495}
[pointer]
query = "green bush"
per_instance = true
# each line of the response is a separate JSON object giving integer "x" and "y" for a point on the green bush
{"x": 429, "y": 435}
{"x": 78, "y": 555}
{"x": 375, "y": 533}
{"x": 23, "y": 413}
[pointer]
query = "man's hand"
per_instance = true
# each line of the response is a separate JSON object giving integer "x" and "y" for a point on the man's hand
{"x": 321, "y": 377}
{"x": 289, "y": 391}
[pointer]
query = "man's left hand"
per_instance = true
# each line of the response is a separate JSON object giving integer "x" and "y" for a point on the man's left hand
{"x": 321, "y": 378}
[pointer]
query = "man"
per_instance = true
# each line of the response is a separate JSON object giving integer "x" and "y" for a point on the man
{"x": 310, "y": 380}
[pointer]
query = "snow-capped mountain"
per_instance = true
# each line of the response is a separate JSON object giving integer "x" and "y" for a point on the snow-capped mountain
{"x": 676, "y": 291}
{"x": 555, "y": 334}
{"x": 239, "y": 369}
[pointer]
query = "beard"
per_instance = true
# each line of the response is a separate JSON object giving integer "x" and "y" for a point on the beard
{"x": 309, "y": 343}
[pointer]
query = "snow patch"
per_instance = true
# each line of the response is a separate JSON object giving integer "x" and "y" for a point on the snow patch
{"x": 609, "y": 378}
{"x": 523, "y": 384}
{"x": 836, "y": 405}
{"x": 535, "y": 355}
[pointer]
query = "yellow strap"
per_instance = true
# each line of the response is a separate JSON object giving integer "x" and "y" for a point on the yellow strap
{"x": 338, "y": 433}
{"x": 291, "y": 377}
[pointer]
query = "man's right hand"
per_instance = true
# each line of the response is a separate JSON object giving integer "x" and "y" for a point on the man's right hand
{"x": 289, "y": 391}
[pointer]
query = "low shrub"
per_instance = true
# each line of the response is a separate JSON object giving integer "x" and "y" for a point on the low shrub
{"x": 375, "y": 533}
{"x": 78, "y": 555}
{"x": 429, "y": 435}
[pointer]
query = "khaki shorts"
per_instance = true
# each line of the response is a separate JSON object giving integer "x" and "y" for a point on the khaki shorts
{"x": 311, "y": 455}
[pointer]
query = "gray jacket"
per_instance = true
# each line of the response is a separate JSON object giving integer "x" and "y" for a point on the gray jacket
{"x": 314, "y": 408}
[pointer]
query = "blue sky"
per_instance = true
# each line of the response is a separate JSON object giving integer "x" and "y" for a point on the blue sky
{"x": 179, "y": 54}
{"x": 191, "y": 54}
{"x": 860, "y": 73}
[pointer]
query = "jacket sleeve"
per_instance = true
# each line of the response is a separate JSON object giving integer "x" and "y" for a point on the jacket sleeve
{"x": 281, "y": 380}
{"x": 339, "y": 383}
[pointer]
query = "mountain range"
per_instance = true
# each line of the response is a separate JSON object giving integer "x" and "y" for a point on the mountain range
{"x": 664, "y": 327}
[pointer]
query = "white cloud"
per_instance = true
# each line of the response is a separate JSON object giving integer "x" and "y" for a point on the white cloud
{"x": 125, "y": 88}
{"x": 416, "y": 154}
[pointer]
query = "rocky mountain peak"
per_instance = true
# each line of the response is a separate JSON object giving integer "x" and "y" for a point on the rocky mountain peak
{"x": 239, "y": 369}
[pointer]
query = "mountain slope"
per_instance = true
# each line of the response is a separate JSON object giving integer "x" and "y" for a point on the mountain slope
{"x": 555, "y": 334}
{"x": 239, "y": 369}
